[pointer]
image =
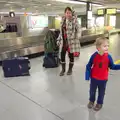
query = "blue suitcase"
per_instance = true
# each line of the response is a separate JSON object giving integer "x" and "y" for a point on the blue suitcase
{"x": 16, "y": 67}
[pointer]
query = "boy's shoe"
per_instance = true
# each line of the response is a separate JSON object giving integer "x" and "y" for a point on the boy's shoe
{"x": 90, "y": 105}
{"x": 98, "y": 107}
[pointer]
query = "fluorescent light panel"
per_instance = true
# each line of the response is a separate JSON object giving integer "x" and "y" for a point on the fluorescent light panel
{"x": 15, "y": 13}
{"x": 77, "y": 2}
{"x": 98, "y": 5}
{"x": 72, "y": 2}
{"x": 118, "y": 10}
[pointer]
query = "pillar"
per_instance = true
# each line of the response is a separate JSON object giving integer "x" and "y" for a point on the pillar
{"x": 51, "y": 22}
{"x": 89, "y": 14}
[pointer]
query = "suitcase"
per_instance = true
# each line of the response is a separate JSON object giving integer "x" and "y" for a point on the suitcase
{"x": 16, "y": 67}
{"x": 51, "y": 60}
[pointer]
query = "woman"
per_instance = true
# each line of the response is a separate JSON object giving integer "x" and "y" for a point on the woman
{"x": 70, "y": 34}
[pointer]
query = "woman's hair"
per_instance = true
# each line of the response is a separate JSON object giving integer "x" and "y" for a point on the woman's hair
{"x": 68, "y": 8}
{"x": 100, "y": 41}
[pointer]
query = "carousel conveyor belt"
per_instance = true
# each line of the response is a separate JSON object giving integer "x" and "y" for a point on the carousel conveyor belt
{"x": 18, "y": 47}
{"x": 29, "y": 45}
{"x": 21, "y": 50}
{"x": 22, "y": 46}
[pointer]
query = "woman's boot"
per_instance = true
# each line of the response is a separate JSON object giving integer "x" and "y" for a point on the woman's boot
{"x": 63, "y": 69}
{"x": 70, "y": 69}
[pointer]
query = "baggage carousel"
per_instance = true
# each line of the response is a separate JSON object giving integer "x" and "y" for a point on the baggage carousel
{"x": 21, "y": 46}
{"x": 33, "y": 45}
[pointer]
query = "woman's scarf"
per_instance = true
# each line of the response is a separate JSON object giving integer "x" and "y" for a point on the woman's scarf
{"x": 70, "y": 25}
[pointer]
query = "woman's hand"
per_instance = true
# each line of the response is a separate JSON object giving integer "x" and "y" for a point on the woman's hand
{"x": 58, "y": 43}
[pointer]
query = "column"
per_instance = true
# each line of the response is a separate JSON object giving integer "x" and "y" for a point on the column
{"x": 51, "y": 22}
{"x": 89, "y": 14}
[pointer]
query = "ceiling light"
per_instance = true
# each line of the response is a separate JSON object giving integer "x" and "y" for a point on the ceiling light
{"x": 23, "y": 8}
{"x": 35, "y": 6}
{"x": 98, "y": 5}
{"x": 22, "y": 13}
{"x": 7, "y": 4}
{"x": 48, "y": 4}
{"x": 78, "y": 2}
{"x": 72, "y": 2}
{"x": 13, "y": 2}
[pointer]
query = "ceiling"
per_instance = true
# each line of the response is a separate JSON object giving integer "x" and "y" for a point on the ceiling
{"x": 51, "y": 6}
{"x": 105, "y": 1}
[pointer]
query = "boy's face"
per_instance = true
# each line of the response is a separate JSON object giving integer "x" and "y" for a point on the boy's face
{"x": 104, "y": 47}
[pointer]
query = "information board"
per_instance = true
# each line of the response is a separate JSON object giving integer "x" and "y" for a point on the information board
{"x": 100, "y": 11}
{"x": 111, "y": 11}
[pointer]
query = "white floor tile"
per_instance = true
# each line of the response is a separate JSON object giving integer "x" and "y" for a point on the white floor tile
{"x": 46, "y": 96}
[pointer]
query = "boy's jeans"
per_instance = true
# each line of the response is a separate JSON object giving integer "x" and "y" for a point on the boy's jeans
{"x": 101, "y": 85}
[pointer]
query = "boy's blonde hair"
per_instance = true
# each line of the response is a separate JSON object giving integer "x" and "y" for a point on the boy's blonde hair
{"x": 100, "y": 41}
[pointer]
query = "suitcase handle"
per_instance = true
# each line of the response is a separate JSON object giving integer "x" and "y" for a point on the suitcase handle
{"x": 29, "y": 65}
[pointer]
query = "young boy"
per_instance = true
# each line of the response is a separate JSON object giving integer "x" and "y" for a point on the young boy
{"x": 97, "y": 70}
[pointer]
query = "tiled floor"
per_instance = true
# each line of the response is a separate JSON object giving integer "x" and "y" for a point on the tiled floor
{"x": 46, "y": 96}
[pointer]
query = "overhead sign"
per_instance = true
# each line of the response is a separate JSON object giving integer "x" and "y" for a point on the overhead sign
{"x": 111, "y": 11}
{"x": 11, "y": 14}
{"x": 100, "y": 11}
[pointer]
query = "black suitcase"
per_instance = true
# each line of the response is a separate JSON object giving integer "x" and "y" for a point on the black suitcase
{"x": 16, "y": 67}
{"x": 51, "y": 60}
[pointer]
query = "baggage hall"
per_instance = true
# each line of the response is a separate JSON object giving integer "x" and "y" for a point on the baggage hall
{"x": 59, "y": 60}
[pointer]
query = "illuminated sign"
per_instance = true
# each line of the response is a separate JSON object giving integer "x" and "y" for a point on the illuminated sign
{"x": 89, "y": 15}
{"x": 111, "y": 11}
{"x": 100, "y": 12}
{"x": 11, "y": 14}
